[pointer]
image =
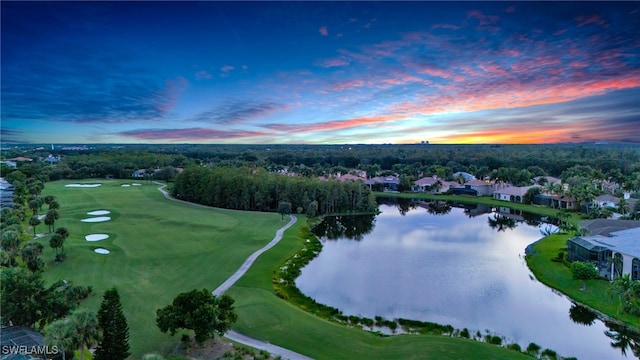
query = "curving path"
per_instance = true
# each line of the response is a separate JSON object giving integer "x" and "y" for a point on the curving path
{"x": 233, "y": 335}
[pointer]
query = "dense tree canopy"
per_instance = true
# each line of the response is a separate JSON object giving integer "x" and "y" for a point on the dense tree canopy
{"x": 257, "y": 189}
{"x": 200, "y": 311}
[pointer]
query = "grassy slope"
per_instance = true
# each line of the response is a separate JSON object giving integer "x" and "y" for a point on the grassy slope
{"x": 159, "y": 248}
{"x": 263, "y": 315}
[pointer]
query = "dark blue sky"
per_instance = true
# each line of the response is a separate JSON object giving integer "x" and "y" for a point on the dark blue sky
{"x": 320, "y": 72}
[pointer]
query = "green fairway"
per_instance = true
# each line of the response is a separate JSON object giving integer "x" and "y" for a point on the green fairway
{"x": 159, "y": 248}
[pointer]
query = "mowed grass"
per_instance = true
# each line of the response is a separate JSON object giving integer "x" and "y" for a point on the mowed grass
{"x": 263, "y": 315}
{"x": 558, "y": 276}
{"x": 159, "y": 248}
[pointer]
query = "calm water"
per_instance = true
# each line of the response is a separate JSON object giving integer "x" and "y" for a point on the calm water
{"x": 458, "y": 268}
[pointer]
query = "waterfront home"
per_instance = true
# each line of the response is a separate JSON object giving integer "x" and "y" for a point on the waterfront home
{"x": 612, "y": 245}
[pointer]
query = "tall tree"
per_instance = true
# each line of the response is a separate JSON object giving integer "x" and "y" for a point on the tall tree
{"x": 61, "y": 333}
{"x": 85, "y": 324}
{"x": 11, "y": 244}
{"x": 33, "y": 222}
{"x": 30, "y": 253}
{"x": 200, "y": 311}
{"x": 114, "y": 343}
{"x": 284, "y": 208}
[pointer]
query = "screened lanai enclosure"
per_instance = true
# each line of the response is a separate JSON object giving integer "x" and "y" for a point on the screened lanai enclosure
{"x": 582, "y": 250}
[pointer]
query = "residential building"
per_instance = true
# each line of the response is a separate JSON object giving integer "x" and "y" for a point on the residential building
{"x": 607, "y": 201}
{"x": 612, "y": 245}
{"x": 511, "y": 193}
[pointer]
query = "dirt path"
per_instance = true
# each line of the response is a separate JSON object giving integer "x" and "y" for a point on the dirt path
{"x": 235, "y": 336}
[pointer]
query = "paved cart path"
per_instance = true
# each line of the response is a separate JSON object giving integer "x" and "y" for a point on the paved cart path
{"x": 233, "y": 335}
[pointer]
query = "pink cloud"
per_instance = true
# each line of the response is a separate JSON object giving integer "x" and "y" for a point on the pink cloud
{"x": 432, "y": 71}
{"x": 510, "y": 9}
{"x": 349, "y": 84}
{"x": 333, "y": 124}
{"x": 485, "y": 22}
{"x": 189, "y": 134}
{"x": 335, "y": 62}
{"x": 323, "y": 31}
{"x": 593, "y": 19}
{"x": 445, "y": 26}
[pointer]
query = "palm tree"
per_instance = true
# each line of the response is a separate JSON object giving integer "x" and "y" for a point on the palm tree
{"x": 624, "y": 207}
{"x": 33, "y": 222}
{"x": 85, "y": 324}
{"x": 621, "y": 287}
{"x": 62, "y": 231}
{"x": 61, "y": 333}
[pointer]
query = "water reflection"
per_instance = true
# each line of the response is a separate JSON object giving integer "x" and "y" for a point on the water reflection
{"x": 582, "y": 315}
{"x": 501, "y": 222}
{"x": 352, "y": 227}
{"x": 623, "y": 338}
{"x": 453, "y": 269}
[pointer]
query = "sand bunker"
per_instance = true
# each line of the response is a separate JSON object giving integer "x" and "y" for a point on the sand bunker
{"x": 125, "y": 185}
{"x": 101, "y": 251}
{"x": 83, "y": 185}
{"x": 96, "y": 237}
{"x": 136, "y": 184}
{"x": 99, "y": 212}
{"x": 96, "y": 219}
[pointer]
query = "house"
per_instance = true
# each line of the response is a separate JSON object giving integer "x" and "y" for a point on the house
{"x": 541, "y": 180}
{"x": 139, "y": 173}
{"x": 511, "y": 193}
{"x": 10, "y": 164}
{"x": 6, "y": 194}
{"x": 607, "y": 201}
{"x": 481, "y": 187}
{"x": 52, "y": 159}
{"x": 564, "y": 202}
{"x": 612, "y": 245}
{"x": 464, "y": 175}
{"x": 389, "y": 183}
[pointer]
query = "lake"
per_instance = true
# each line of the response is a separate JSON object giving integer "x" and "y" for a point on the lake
{"x": 449, "y": 265}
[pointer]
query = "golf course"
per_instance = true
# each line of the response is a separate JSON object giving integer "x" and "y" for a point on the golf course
{"x": 158, "y": 248}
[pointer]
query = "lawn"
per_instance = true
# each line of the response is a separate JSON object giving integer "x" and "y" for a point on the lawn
{"x": 159, "y": 248}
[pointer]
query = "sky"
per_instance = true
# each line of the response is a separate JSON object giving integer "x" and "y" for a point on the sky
{"x": 320, "y": 72}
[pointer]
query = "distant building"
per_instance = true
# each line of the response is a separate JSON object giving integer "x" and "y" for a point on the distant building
{"x": 512, "y": 193}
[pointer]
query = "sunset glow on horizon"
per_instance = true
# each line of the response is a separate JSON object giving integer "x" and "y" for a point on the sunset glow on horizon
{"x": 320, "y": 72}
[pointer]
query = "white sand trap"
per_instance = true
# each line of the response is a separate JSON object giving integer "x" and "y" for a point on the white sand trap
{"x": 136, "y": 184}
{"x": 83, "y": 185}
{"x": 125, "y": 185}
{"x": 101, "y": 251}
{"x": 96, "y": 219}
{"x": 98, "y": 212}
{"x": 96, "y": 237}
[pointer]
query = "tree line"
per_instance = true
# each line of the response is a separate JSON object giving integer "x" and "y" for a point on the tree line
{"x": 256, "y": 189}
